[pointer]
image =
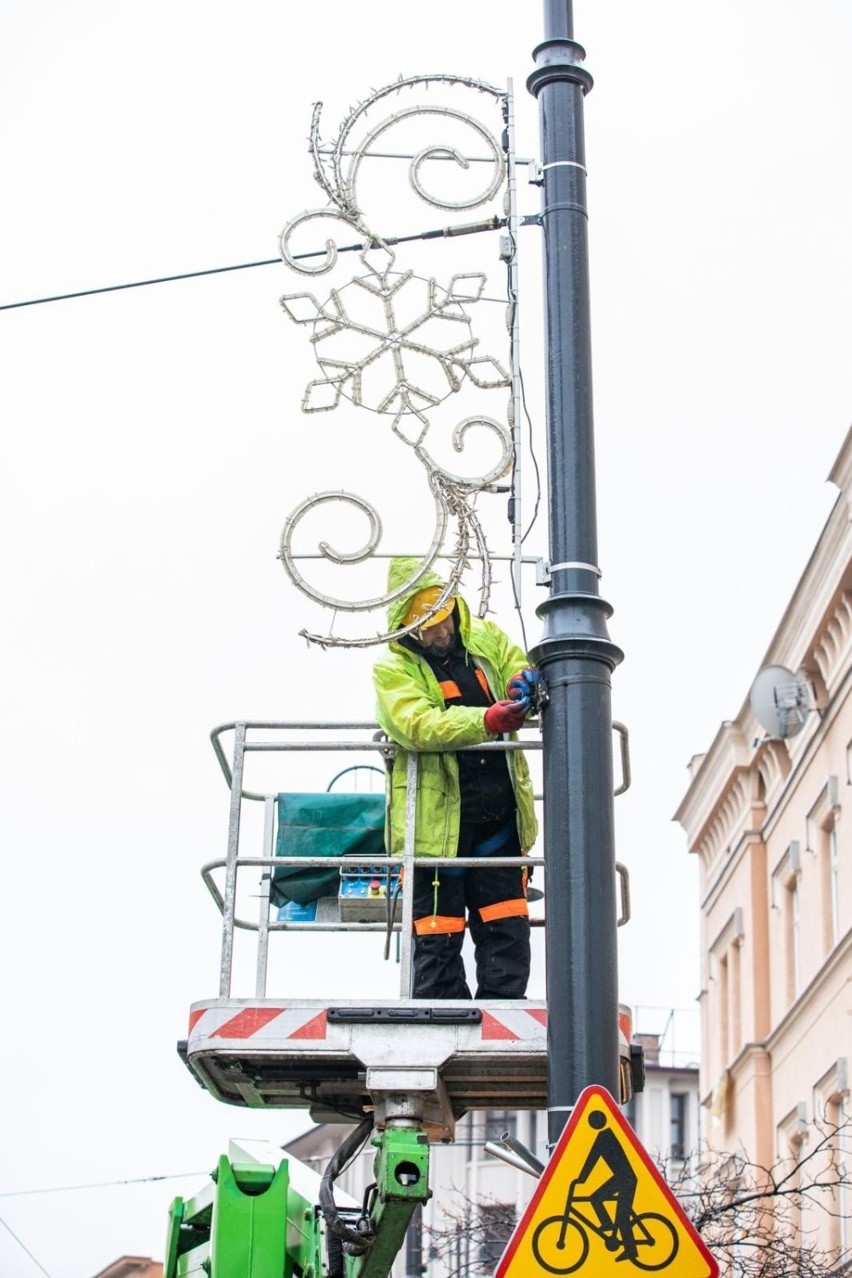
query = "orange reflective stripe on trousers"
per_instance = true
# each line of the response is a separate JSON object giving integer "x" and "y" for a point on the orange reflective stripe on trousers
{"x": 516, "y": 908}
{"x": 436, "y": 923}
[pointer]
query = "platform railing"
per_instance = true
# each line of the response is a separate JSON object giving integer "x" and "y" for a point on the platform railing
{"x": 234, "y": 773}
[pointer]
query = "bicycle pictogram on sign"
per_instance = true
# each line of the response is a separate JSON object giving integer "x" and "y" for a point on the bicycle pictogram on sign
{"x": 602, "y": 1202}
{"x": 561, "y": 1243}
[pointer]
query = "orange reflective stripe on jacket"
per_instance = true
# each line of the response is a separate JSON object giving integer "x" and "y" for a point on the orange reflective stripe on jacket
{"x": 516, "y": 908}
{"x": 483, "y": 683}
{"x": 450, "y": 689}
{"x": 438, "y": 923}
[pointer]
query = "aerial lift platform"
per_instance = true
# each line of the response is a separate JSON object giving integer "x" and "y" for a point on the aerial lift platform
{"x": 347, "y": 1057}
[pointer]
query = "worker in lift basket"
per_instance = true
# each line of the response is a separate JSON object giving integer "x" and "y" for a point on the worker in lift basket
{"x": 458, "y": 681}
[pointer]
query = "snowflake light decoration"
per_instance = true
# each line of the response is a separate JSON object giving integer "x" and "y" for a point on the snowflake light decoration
{"x": 391, "y": 344}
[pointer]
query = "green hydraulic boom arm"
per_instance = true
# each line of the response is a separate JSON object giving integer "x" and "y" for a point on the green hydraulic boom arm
{"x": 260, "y": 1216}
{"x": 401, "y": 1169}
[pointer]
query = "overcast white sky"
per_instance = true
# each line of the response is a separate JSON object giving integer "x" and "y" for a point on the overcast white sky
{"x": 153, "y": 446}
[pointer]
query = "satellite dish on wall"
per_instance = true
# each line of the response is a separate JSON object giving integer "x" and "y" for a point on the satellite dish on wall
{"x": 781, "y": 701}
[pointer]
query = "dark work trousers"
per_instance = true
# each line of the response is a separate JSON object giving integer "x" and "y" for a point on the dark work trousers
{"x": 495, "y": 902}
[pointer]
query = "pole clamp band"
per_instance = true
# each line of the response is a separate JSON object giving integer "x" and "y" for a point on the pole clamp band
{"x": 569, "y": 164}
{"x": 572, "y": 207}
{"x": 576, "y": 563}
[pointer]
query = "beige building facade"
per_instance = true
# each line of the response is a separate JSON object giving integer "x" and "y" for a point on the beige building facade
{"x": 769, "y": 817}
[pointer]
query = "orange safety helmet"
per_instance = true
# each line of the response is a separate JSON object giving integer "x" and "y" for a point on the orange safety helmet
{"x": 422, "y": 602}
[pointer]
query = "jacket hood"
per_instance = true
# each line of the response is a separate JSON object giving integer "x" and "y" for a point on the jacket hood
{"x": 402, "y": 569}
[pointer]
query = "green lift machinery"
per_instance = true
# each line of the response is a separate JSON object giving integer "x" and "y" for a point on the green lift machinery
{"x": 262, "y": 1216}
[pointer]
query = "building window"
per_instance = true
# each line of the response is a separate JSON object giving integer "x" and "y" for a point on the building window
{"x": 832, "y": 1113}
{"x": 735, "y": 1037}
{"x": 459, "y": 1256}
{"x": 833, "y": 885}
{"x": 844, "y": 1167}
{"x": 677, "y": 1137}
{"x": 725, "y": 1004}
{"x": 499, "y": 1122}
{"x": 822, "y": 840}
{"x": 835, "y": 1117}
{"x": 794, "y": 940}
{"x": 785, "y": 899}
{"x": 724, "y": 1009}
{"x": 791, "y": 1134}
{"x": 497, "y": 1223}
{"x": 829, "y": 868}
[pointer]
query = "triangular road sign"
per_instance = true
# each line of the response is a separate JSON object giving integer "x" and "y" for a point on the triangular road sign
{"x": 602, "y": 1208}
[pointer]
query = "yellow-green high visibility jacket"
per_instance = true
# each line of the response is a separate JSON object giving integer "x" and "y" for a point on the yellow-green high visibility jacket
{"x": 410, "y": 708}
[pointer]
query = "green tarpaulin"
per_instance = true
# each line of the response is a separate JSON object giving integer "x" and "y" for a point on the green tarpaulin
{"x": 324, "y": 825}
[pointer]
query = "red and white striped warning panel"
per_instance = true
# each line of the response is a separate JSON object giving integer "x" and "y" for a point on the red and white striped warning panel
{"x": 266, "y": 1023}
{"x": 259, "y": 1023}
{"x": 525, "y": 1024}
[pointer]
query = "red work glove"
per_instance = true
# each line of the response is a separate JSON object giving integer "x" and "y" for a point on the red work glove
{"x": 505, "y": 716}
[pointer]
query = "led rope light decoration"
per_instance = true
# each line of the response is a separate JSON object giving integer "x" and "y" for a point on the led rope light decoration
{"x": 395, "y": 318}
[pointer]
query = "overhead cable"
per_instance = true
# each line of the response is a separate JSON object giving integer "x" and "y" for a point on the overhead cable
{"x": 24, "y": 1247}
{"x": 470, "y": 228}
{"x": 98, "y": 1184}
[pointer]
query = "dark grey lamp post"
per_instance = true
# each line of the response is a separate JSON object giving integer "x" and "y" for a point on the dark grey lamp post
{"x": 575, "y": 653}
